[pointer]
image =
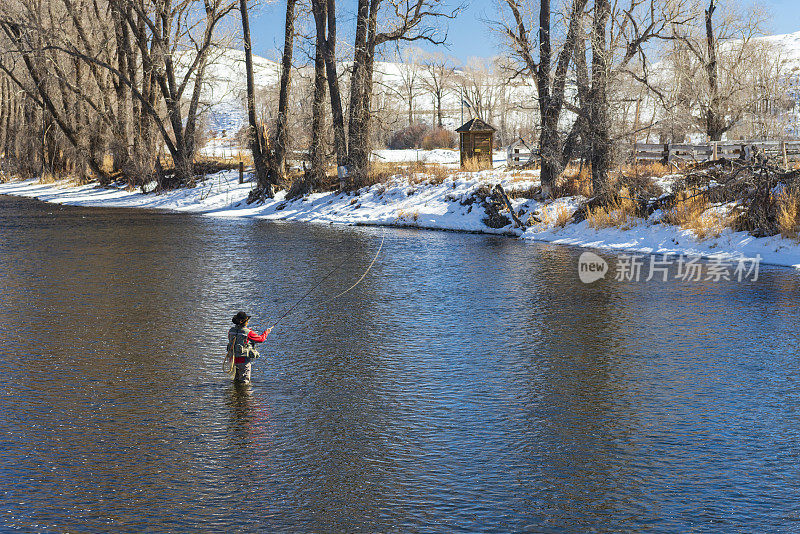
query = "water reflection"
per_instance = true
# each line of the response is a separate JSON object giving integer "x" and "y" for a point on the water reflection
{"x": 469, "y": 383}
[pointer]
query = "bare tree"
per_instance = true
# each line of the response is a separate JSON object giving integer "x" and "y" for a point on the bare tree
{"x": 329, "y": 54}
{"x": 410, "y": 85}
{"x": 616, "y": 35}
{"x": 257, "y": 140}
{"x": 281, "y": 128}
{"x": 536, "y": 58}
{"x": 718, "y": 60}
{"x": 404, "y": 21}
{"x": 439, "y": 79}
{"x": 481, "y": 85}
{"x": 162, "y": 31}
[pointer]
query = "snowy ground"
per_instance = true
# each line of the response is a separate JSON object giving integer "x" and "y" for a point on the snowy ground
{"x": 445, "y": 206}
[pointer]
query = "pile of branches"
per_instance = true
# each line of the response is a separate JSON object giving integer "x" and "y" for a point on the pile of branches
{"x": 753, "y": 187}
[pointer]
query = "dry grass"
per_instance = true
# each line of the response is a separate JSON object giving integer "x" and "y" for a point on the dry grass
{"x": 636, "y": 178}
{"x": 475, "y": 165}
{"x": 557, "y": 216}
{"x": 416, "y": 172}
{"x": 619, "y": 213}
{"x": 652, "y": 169}
{"x": 693, "y": 211}
{"x": 520, "y": 176}
{"x": 407, "y": 216}
{"x": 788, "y": 203}
{"x": 48, "y": 177}
{"x": 575, "y": 180}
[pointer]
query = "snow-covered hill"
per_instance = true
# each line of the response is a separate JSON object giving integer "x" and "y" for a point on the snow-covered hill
{"x": 789, "y": 46}
{"x": 224, "y": 91}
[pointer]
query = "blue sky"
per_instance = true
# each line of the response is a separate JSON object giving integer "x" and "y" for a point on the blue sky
{"x": 467, "y": 35}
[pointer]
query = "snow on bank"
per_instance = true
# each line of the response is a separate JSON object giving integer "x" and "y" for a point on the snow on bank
{"x": 449, "y": 205}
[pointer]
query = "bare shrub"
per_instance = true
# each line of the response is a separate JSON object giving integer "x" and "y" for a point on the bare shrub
{"x": 408, "y": 137}
{"x": 438, "y": 138}
{"x": 557, "y": 216}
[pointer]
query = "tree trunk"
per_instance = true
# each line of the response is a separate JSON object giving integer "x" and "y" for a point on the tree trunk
{"x": 715, "y": 119}
{"x": 355, "y": 157}
{"x": 318, "y": 164}
{"x": 281, "y": 134}
{"x": 439, "y": 109}
{"x": 600, "y": 127}
{"x": 550, "y": 151}
{"x": 256, "y": 136}
{"x": 361, "y": 92}
{"x": 339, "y": 139}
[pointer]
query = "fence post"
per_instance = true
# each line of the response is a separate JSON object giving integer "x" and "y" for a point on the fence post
{"x": 715, "y": 150}
{"x": 667, "y": 153}
{"x": 785, "y": 155}
{"x": 241, "y": 172}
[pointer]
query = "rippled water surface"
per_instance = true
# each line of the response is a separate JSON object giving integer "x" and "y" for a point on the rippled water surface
{"x": 469, "y": 384}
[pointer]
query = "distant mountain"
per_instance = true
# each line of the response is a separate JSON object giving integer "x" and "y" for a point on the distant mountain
{"x": 224, "y": 91}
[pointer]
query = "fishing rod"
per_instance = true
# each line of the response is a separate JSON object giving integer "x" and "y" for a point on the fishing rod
{"x": 319, "y": 283}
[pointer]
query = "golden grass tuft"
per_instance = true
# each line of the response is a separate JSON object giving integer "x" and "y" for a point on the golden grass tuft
{"x": 574, "y": 181}
{"x": 619, "y": 213}
{"x": 692, "y": 211}
{"x": 407, "y": 216}
{"x": 475, "y": 165}
{"x": 788, "y": 204}
{"x": 48, "y": 177}
{"x": 653, "y": 169}
{"x": 557, "y": 216}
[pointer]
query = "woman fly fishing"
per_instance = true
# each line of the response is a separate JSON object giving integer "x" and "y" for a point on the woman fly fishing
{"x": 241, "y": 346}
{"x": 242, "y": 340}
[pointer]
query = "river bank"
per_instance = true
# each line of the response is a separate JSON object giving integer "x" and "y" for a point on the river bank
{"x": 456, "y": 202}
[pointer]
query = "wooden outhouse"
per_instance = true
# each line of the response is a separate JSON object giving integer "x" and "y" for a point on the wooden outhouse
{"x": 476, "y": 141}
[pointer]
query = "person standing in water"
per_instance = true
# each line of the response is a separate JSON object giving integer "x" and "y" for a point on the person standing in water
{"x": 242, "y": 340}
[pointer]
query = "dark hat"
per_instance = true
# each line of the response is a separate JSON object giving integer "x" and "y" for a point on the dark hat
{"x": 240, "y": 318}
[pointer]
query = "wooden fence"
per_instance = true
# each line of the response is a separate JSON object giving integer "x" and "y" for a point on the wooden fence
{"x": 782, "y": 151}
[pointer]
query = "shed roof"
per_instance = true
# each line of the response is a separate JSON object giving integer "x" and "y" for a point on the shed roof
{"x": 475, "y": 125}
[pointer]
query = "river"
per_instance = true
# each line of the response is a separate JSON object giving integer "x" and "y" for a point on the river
{"x": 470, "y": 383}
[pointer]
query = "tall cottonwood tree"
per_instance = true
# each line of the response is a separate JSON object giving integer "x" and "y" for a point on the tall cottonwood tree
{"x": 256, "y": 138}
{"x": 402, "y": 21}
{"x": 719, "y": 55}
{"x": 532, "y": 41}
{"x": 318, "y": 160}
{"x": 326, "y": 27}
{"x": 614, "y": 38}
{"x": 282, "y": 123}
